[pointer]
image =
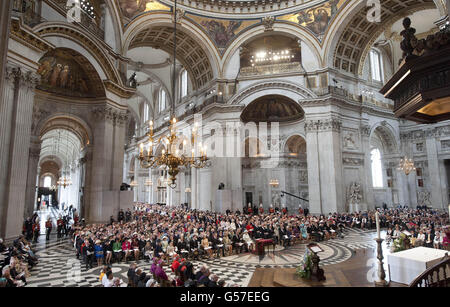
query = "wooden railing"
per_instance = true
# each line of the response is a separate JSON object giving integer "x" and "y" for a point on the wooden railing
{"x": 435, "y": 276}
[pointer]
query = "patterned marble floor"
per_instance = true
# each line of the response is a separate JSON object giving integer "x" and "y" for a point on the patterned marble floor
{"x": 58, "y": 266}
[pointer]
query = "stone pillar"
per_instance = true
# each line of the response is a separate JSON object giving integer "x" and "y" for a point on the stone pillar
{"x": 107, "y": 161}
{"x": 367, "y": 184}
{"x": 324, "y": 158}
{"x": 85, "y": 162}
{"x": 33, "y": 164}
{"x": 312, "y": 157}
{"x": 194, "y": 189}
{"x": 330, "y": 155}
{"x": 437, "y": 193}
{"x": 135, "y": 176}
{"x": 20, "y": 133}
{"x": 5, "y": 21}
{"x": 6, "y": 112}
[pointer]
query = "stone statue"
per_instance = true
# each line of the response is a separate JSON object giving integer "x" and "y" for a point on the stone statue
{"x": 409, "y": 38}
{"x": 355, "y": 195}
{"x": 132, "y": 82}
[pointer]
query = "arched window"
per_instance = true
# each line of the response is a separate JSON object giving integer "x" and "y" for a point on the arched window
{"x": 162, "y": 100}
{"x": 146, "y": 112}
{"x": 377, "y": 171}
{"x": 184, "y": 83}
{"x": 47, "y": 182}
{"x": 376, "y": 65}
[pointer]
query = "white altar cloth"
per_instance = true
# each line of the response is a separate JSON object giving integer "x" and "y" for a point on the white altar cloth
{"x": 406, "y": 265}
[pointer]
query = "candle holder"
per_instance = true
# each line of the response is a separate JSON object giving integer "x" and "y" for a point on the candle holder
{"x": 381, "y": 274}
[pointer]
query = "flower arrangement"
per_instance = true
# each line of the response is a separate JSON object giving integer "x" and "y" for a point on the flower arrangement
{"x": 305, "y": 267}
{"x": 400, "y": 244}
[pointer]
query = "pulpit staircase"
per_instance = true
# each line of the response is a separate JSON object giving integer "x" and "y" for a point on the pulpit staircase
{"x": 435, "y": 276}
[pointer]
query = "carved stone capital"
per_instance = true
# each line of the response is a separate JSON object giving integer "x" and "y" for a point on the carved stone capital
{"x": 29, "y": 80}
{"x": 111, "y": 114}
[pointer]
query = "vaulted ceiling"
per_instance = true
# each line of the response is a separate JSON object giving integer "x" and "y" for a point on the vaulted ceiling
{"x": 359, "y": 31}
{"x": 189, "y": 52}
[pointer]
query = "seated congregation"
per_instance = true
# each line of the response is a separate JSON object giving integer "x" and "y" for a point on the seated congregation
{"x": 171, "y": 238}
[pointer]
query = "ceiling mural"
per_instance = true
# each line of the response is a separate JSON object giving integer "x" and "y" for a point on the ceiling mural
{"x": 222, "y": 31}
{"x": 66, "y": 72}
{"x": 132, "y": 8}
{"x": 317, "y": 18}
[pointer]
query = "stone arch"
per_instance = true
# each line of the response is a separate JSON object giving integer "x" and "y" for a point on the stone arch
{"x": 386, "y": 135}
{"x": 264, "y": 88}
{"x": 154, "y": 27}
{"x": 295, "y": 144}
{"x": 286, "y": 29}
{"x": 113, "y": 8}
{"x": 65, "y": 35}
{"x": 71, "y": 123}
{"x": 352, "y": 35}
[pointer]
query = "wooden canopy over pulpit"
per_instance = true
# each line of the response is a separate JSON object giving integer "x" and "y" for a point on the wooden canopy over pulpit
{"x": 421, "y": 87}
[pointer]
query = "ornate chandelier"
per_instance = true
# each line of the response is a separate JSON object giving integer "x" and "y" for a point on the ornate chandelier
{"x": 171, "y": 158}
{"x": 274, "y": 183}
{"x": 406, "y": 165}
{"x": 64, "y": 181}
{"x": 134, "y": 183}
{"x": 148, "y": 183}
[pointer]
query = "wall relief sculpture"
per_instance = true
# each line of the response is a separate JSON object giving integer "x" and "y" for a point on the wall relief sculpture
{"x": 423, "y": 198}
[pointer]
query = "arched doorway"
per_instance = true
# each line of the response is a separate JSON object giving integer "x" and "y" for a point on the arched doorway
{"x": 264, "y": 182}
{"x": 383, "y": 171}
{"x": 65, "y": 184}
{"x": 296, "y": 173}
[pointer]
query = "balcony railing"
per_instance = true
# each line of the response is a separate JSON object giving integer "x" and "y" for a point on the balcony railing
{"x": 271, "y": 69}
{"x": 86, "y": 21}
{"x": 29, "y": 17}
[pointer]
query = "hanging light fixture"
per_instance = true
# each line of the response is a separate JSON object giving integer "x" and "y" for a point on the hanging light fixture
{"x": 171, "y": 158}
{"x": 64, "y": 181}
{"x": 406, "y": 165}
{"x": 134, "y": 183}
{"x": 274, "y": 183}
{"x": 148, "y": 183}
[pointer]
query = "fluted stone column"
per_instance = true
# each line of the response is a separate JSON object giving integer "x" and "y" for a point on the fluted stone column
{"x": 6, "y": 111}
{"x": 367, "y": 168}
{"x": 312, "y": 157}
{"x": 33, "y": 164}
{"x": 19, "y": 142}
{"x": 205, "y": 189}
{"x": 437, "y": 193}
{"x": 5, "y": 21}
{"x": 107, "y": 160}
{"x": 324, "y": 158}
{"x": 194, "y": 189}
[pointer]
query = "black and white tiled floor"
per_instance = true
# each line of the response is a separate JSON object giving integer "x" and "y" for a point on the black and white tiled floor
{"x": 58, "y": 266}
